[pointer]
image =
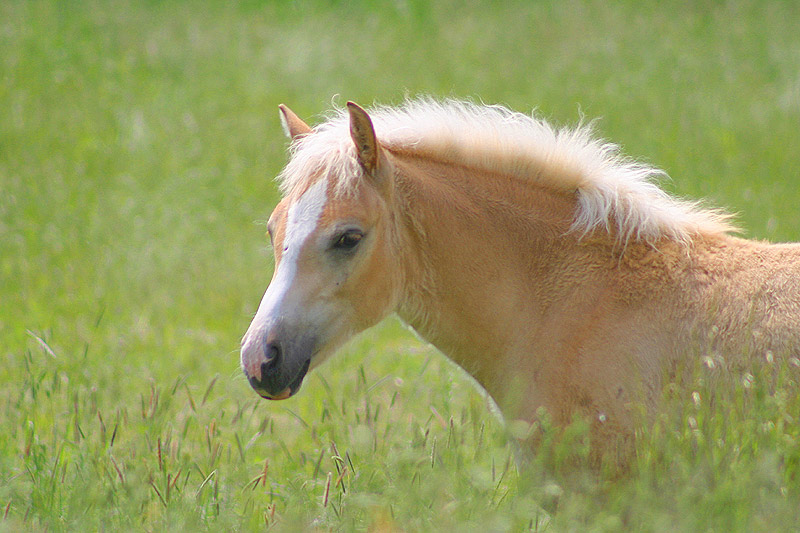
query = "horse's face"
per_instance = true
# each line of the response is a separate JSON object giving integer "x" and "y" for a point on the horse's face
{"x": 333, "y": 278}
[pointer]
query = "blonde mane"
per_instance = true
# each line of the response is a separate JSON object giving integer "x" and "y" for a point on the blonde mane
{"x": 613, "y": 192}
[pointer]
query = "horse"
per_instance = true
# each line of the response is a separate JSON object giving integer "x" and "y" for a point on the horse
{"x": 547, "y": 265}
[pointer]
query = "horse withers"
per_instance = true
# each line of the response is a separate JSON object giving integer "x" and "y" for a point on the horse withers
{"x": 550, "y": 268}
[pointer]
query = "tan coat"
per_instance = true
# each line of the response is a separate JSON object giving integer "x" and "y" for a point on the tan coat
{"x": 551, "y": 270}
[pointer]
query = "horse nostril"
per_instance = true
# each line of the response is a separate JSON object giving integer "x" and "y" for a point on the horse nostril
{"x": 273, "y": 354}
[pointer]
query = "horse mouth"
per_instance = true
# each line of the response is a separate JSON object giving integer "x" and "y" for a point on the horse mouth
{"x": 293, "y": 386}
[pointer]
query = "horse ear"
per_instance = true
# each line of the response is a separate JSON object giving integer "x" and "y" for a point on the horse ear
{"x": 363, "y": 134}
{"x": 292, "y": 124}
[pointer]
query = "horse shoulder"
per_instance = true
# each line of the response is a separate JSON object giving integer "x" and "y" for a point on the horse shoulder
{"x": 748, "y": 295}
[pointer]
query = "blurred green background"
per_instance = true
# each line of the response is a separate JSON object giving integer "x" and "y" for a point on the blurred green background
{"x": 138, "y": 141}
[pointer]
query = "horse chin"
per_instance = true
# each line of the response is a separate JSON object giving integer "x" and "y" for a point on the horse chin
{"x": 293, "y": 387}
{"x": 286, "y": 393}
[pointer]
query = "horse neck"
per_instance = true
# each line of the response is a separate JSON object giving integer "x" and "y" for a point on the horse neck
{"x": 482, "y": 257}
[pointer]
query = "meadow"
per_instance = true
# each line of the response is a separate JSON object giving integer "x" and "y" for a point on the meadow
{"x": 138, "y": 141}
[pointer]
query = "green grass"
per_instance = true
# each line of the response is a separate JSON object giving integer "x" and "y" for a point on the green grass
{"x": 137, "y": 145}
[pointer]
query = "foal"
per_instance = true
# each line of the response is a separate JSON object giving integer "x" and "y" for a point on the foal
{"x": 551, "y": 269}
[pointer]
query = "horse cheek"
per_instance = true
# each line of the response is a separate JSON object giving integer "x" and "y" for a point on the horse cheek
{"x": 375, "y": 292}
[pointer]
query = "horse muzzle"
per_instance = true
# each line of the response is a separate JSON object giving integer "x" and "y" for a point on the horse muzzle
{"x": 275, "y": 368}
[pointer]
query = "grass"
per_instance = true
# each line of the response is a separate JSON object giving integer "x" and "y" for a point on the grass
{"x": 137, "y": 141}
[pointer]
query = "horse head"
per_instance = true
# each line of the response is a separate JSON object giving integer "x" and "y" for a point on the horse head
{"x": 334, "y": 267}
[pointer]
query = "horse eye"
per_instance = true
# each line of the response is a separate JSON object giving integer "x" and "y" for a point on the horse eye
{"x": 348, "y": 240}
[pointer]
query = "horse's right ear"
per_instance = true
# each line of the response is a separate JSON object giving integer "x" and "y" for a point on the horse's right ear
{"x": 292, "y": 124}
{"x": 363, "y": 135}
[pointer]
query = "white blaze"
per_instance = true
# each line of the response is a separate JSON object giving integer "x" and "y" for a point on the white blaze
{"x": 300, "y": 224}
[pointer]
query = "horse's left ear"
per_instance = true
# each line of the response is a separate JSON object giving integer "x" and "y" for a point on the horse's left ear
{"x": 363, "y": 134}
{"x": 293, "y": 125}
